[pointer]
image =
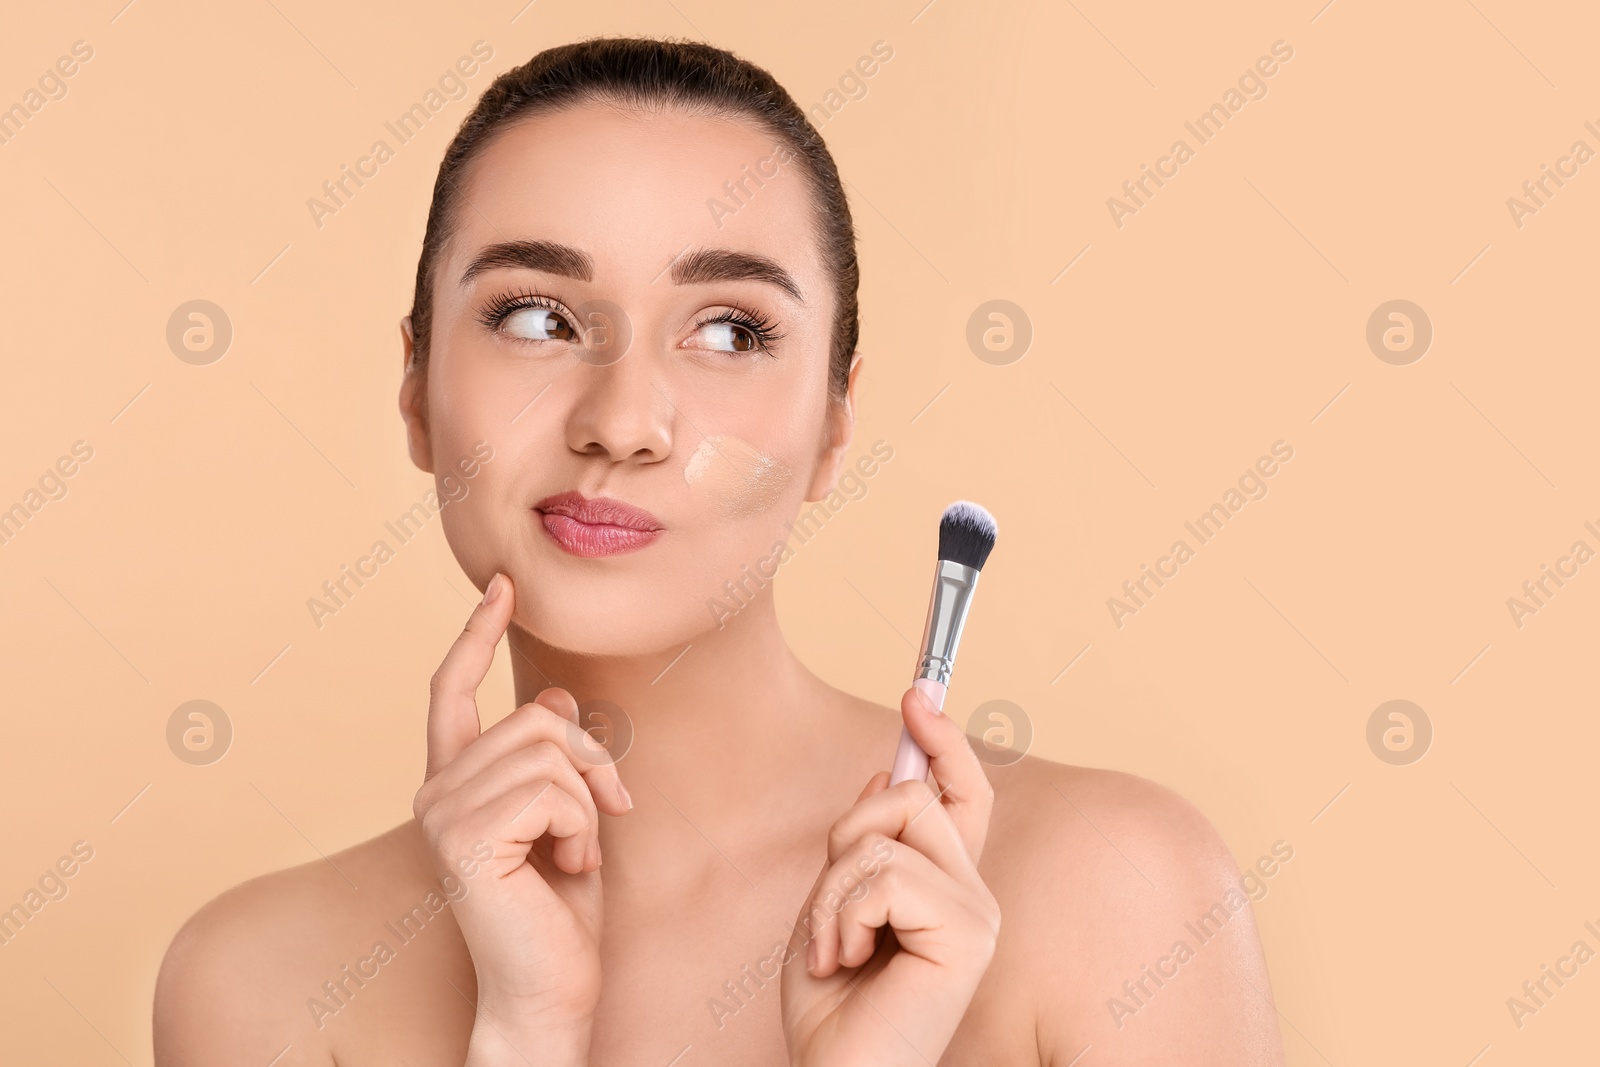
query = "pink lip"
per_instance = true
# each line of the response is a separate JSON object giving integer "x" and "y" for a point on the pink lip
{"x": 598, "y": 527}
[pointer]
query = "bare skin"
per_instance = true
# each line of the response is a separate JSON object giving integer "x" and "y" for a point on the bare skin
{"x": 748, "y": 774}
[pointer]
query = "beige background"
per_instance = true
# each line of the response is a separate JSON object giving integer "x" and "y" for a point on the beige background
{"x": 1227, "y": 314}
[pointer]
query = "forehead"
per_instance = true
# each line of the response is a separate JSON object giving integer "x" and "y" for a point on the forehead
{"x": 634, "y": 188}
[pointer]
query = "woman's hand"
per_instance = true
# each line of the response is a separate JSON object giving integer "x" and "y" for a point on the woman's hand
{"x": 904, "y": 858}
{"x": 510, "y": 812}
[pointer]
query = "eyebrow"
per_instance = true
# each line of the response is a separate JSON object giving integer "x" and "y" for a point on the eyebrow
{"x": 546, "y": 256}
{"x": 689, "y": 268}
{"x": 723, "y": 265}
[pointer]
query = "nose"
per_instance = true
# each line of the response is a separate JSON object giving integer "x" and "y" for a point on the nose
{"x": 621, "y": 413}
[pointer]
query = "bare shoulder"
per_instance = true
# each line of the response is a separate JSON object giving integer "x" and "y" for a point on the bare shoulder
{"x": 1057, "y": 810}
{"x": 1126, "y": 910}
{"x": 236, "y": 978}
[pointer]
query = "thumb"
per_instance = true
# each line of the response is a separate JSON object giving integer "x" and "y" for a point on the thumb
{"x": 940, "y": 736}
{"x": 958, "y": 776}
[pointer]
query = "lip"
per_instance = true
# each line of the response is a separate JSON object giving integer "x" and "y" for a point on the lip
{"x": 598, "y": 527}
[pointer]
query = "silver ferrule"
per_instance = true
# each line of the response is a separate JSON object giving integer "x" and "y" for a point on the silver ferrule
{"x": 953, "y": 585}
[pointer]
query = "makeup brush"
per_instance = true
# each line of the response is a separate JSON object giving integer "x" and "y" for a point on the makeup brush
{"x": 966, "y": 537}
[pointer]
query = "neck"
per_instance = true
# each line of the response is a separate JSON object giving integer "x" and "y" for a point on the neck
{"x": 733, "y": 716}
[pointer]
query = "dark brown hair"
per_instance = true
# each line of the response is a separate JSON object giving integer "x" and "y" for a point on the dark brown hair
{"x": 645, "y": 72}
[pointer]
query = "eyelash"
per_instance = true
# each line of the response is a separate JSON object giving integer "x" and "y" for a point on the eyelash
{"x": 763, "y": 329}
{"x": 760, "y": 327}
{"x": 501, "y": 307}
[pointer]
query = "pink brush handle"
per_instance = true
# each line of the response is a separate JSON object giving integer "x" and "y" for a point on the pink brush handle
{"x": 909, "y": 759}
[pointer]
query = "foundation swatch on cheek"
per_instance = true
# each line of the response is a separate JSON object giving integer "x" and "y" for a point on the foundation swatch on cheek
{"x": 734, "y": 477}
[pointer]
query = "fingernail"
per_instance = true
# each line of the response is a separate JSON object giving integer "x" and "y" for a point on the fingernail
{"x": 592, "y": 858}
{"x": 926, "y": 690}
{"x": 622, "y": 791}
{"x": 493, "y": 590}
{"x": 811, "y": 956}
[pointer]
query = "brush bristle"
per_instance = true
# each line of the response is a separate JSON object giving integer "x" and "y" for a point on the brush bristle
{"x": 966, "y": 534}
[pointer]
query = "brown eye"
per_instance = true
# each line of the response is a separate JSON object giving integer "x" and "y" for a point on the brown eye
{"x": 729, "y": 337}
{"x": 538, "y": 324}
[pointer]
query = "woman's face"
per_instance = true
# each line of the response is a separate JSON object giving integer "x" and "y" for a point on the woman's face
{"x": 632, "y": 306}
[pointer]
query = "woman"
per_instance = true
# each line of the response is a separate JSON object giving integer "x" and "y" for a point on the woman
{"x": 640, "y": 391}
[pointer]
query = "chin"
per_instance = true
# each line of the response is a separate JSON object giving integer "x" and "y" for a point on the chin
{"x": 629, "y": 620}
{"x": 653, "y": 601}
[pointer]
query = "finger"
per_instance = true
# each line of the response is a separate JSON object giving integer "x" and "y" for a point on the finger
{"x": 908, "y": 894}
{"x": 880, "y": 884}
{"x": 564, "y": 703}
{"x": 537, "y": 808}
{"x": 559, "y": 701}
{"x": 876, "y": 784}
{"x": 513, "y": 819}
{"x": 963, "y": 787}
{"x": 452, "y": 705}
{"x": 926, "y": 912}
{"x": 537, "y": 765}
{"x": 838, "y": 882}
{"x": 529, "y": 725}
{"x": 907, "y": 812}
{"x": 805, "y": 931}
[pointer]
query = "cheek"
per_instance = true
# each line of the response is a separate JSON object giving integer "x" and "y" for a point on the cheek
{"x": 758, "y": 457}
{"x": 734, "y": 479}
{"x": 476, "y": 526}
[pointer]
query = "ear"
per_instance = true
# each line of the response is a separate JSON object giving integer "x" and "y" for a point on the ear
{"x": 839, "y": 431}
{"x": 413, "y": 402}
